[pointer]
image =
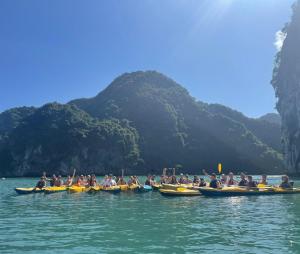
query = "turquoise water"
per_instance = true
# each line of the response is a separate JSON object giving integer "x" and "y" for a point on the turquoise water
{"x": 145, "y": 223}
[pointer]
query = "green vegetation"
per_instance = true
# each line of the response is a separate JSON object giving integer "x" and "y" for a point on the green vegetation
{"x": 143, "y": 121}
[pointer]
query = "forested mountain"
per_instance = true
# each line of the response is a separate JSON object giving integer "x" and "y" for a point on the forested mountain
{"x": 267, "y": 128}
{"x": 286, "y": 82}
{"x": 143, "y": 121}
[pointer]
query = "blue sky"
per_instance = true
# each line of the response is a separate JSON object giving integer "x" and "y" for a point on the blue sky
{"x": 221, "y": 50}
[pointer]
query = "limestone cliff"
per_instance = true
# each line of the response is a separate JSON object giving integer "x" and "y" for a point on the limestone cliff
{"x": 286, "y": 82}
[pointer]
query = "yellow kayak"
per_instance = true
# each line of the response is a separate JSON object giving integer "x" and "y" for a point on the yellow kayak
{"x": 112, "y": 189}
{"x": 75, "y": 189}
{"x": 94, "y": 189}
{"x": 124, "y": 187}
{"x": 179, "y": 192}
{"x": 175, "y": 186}
{"x": 49, "y": 190}
{"x": 133, "y": 187}
{"x": 156, "y": 186}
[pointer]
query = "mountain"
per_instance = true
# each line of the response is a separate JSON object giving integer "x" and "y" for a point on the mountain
{"x": 143, "y": 121}
{"x": 58, "y": 137}
{"x": 267, "y": 128}
{"x": 286, "y": 83}
{"x": 176, "y": 129}
{"x": 271, "y": 118}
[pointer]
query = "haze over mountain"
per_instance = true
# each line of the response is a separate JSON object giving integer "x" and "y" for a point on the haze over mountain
{"x": 286, "y": 82}
{"x": 143, "y": 121}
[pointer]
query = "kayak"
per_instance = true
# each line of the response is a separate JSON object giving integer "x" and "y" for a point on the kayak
{"x": 94, "y": 189}
{"x": 75, "y": 189}
{"x": 28, "y": 190}
{"x": 179, "y": 192}
{"x": 133, "y": 187}
{"x": 237, "y": 191}
{"x": 54, "y": 189}
{"x": 124, "y": 187}
{"x": 175, "y": 186}
{"x": 142, "y": 189}
{"x": 111, "y": 189}
{"x": 156, "y": 186}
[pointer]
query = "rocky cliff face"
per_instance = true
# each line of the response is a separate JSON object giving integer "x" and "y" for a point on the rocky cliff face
{"x": 286, "y": 82}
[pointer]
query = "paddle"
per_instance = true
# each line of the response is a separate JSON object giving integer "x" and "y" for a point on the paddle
{"x": 72, "y": 178}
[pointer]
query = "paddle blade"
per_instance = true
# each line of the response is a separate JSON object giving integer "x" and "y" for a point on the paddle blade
{"x": 220, "y": 168}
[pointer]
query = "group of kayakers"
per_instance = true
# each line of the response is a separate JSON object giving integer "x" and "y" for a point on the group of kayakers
{"x": 245, "y": 181}
{"x": 91, "y": 181}
{"x": 110, "y": 180}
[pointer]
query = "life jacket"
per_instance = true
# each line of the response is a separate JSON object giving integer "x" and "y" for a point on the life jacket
{"x": 243, "y": 182}
{"x": 252, "y": 184}
{"x": 41, "y": 184}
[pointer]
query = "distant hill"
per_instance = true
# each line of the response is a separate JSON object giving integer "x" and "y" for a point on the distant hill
{"x": 143, "y": 121}
{"x": 267, "y": 128}
{"x": 271, "y": 118}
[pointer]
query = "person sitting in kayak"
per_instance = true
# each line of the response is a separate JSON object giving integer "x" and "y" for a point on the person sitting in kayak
{"x": 285, "y": 183}
{"x": 251, "y": 184}
{"x": 173, "y": 180}
{"x": 149, "y": 180}
{"x": 136, "y": 180}
{"x": 214, "y": 183}
{"x": 263, "y": 180}
{"x": 93, "y": 181}
{"x": 196, "y": 180}
{"x": 131, "y": 181}
{"x": 230, "y": 180}
{"x": 223, "y": 180}
{"x": 110, "y": 181}
{"x": 187, "y": 180}
{"x": 69, "y": 181}
{"x": 163, "y": 179}
{"x": 243, "y": 182}
{"x": 59, "y": 181}
{"x": 80, "y": 181}
{"x": 121, "y": 181}
{"x": 41, "y": 183}
{"x": 202, "y": 183}
{"x": 181, "y": 179}
{"x": 52, "y": 181}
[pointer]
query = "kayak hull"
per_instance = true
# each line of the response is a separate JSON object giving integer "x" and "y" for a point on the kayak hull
{"x": 210, "y": 192}
{"x": 24, "y": 191}
{"x": 156, "y": 187}
{"x": 183, "y": 193}
{"x": 50, "y": 190}
{"x": 94, "y": 189}
{"x": 77, "y": 189}
{"x": 124, "y": 187}
{"x": 176, "y": 186}
{"x": 143, "y": 189}
{"x": 133, "y": 187}
{"x": 112, "y": 189}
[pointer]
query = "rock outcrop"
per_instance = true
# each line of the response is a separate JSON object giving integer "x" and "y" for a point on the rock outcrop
{"x": 286, "y": 82}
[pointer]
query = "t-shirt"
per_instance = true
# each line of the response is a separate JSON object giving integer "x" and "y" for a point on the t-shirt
{"x": 213, "y": 184}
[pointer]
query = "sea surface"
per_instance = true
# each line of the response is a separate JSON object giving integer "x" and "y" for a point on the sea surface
{"x": 145, "y": 223}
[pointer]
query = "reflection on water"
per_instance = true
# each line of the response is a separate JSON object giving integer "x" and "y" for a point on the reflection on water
{"x": 146, "y": 223}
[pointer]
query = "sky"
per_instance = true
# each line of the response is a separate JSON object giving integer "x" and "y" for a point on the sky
{"x": 222, "y": 51}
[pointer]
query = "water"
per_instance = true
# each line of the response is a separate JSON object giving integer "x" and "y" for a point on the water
{"x": 145, "y": 223}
